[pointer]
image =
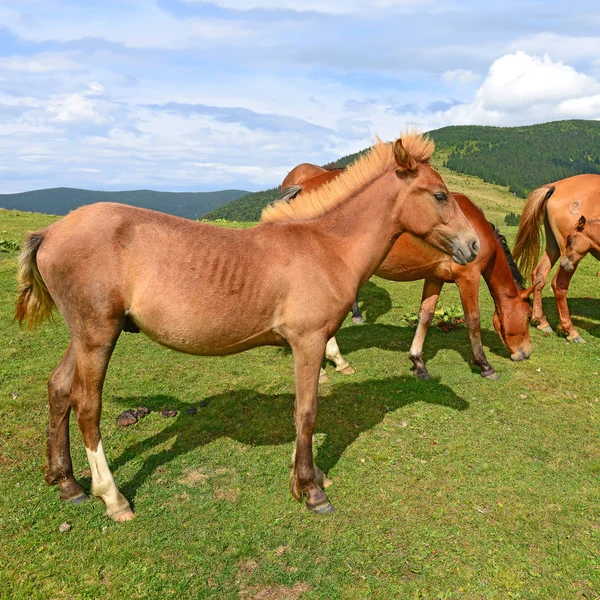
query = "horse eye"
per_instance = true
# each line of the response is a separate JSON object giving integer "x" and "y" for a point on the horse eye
{"x": 440, "y": 196}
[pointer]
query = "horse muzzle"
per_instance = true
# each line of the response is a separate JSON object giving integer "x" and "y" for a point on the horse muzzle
{"x": 520, "y": 355}
{"x": 566, "y": 264}
{"x": 467, "y": 251}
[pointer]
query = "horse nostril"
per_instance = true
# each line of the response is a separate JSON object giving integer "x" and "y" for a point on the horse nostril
{"x": 475, "y": 246}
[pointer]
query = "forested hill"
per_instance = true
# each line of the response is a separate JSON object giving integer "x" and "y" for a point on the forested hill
{"x": 59, "y": 201}
{"x": 521, "y": 158}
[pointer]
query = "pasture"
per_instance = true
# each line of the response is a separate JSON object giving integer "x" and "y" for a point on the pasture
{"x": 457, "y": 487}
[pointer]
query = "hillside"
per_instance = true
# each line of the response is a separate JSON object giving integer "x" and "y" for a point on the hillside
{"x": 522, "y": 158}
{"x": 514, "y": 159}
{"x": 60, "y": 201}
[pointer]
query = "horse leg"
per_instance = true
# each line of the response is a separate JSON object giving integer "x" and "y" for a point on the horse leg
{"x": 304, "y": 477}
{"x": 431, "y": 293}
{"x": 356, "y": 314}
{"x": 86, "y": 400}
{"x": 469, "y": 297}
{"x": 560, "y": 286}
{"x": 59, "y": 468}
{"x": 539, "y": 277}
{"x": 332, "y": 353}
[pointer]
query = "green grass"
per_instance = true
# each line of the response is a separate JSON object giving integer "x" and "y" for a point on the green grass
{"x": 454, "y": 488}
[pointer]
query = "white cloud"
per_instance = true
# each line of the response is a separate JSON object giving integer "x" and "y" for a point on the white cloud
{"x": 38, "y": 63}
{"x": 582, "y": 108}
{"x": 461, "y": 76}
{"x": 521, "y": 88}
{"x": 73, "y": 108}
{"x": 333, "y": 7}
{"x": 519, "y": 80}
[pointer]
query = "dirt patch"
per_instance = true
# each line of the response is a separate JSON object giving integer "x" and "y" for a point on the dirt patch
{"x": 248, "y": 566}
{"x": 226, "y": 494}
{"x": 199, "y": 476}
{"x": 275, "y": 592}
{"x": 195, "y": 477}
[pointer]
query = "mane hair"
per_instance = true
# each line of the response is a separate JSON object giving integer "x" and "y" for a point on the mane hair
{"x": 514, "y": 270}
{"x": 367, "y": 168}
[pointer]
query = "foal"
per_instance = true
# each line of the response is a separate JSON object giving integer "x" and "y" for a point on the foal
{"x": 584, "y": 238}
{"x": 559, "y": 205}
{"x": 109, "y": 267}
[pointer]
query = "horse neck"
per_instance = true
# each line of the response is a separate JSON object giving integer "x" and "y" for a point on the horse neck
{"x": 500, "y": 281}
{"x": 362, "y": 229}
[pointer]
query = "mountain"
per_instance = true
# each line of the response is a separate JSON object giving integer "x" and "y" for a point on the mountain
{"x": 59, "y": 201}
{"x": 514, "y": 159}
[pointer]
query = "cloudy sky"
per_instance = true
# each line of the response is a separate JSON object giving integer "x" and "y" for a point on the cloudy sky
{"x": 213, "y": 94}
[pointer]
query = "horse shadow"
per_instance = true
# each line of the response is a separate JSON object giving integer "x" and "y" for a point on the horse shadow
{"x": 585, "y": 313}
{"x": 374, "y": 300}
{"x": 399, "y": 339}
{"x": 257, "y": 419}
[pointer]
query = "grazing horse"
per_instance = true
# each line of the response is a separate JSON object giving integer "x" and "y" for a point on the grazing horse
{"x": 583, "y": 238}
{"x": 109, "y": 267}
{"x": 411, "y": 258}
{"x": 560, "y": 205}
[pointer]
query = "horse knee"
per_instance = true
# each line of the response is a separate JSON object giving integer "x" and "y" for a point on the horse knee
{"x": 426, "y": 315}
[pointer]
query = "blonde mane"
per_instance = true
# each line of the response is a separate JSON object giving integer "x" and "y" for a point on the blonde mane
{"x": 364, "y": 171}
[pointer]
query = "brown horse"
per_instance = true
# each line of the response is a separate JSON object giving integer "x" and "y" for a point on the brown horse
{"x": 411, "y": 258}
{"x": 584, "y": 238}
{"x": 560, "y": 205}
{"x": 109, "y": 267}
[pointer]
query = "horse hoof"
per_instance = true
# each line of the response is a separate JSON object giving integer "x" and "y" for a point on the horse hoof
{"x": 547, "y": 330}
{"x": 123, "y": 516}
{"x": 348, "y": 370}
{"x": 323, "y": 378}
{"x": 359, "y": 320}
{"x": 425, "y": 376}
{"x": 78, "y": 499}
{"x": 577, "y": 340}
{"x": 493, "y": 375}
{"x": 322, "y": 509}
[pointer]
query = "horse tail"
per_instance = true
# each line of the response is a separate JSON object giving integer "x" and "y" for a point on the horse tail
{"x": 528, "y": 241}
{"x": 288, "y": 193}
{"x": 35, "y": 303}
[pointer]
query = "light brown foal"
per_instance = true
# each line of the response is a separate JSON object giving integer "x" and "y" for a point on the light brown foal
{"x": 109, "y": 267}
{"x": 560, "y": 205}
{"x": 584, "y": 238}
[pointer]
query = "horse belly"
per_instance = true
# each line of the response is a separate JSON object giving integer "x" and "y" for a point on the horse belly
{"x": 223, "y": 326}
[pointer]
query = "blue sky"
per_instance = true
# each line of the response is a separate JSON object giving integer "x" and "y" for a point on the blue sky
{"x": 187, "y": 95}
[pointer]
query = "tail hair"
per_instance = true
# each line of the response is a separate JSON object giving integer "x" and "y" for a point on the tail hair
{"x": 35, "y": 303}
{"x": 528, "y": 241}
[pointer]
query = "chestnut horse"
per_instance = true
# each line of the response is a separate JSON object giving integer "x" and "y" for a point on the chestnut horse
{"x": 109, "y": 267}
{"x": 583, "y": 238}
{"x": 411, "y": 258}
{"x": 560, "y": 205}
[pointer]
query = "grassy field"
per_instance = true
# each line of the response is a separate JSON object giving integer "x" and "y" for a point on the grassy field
{"x": 454, "y": 488}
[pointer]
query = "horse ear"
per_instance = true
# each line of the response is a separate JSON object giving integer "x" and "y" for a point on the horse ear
{"x": 580, "y": 224}
{"x": 403, "y": 158}
{"x": 526, "y": 293}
